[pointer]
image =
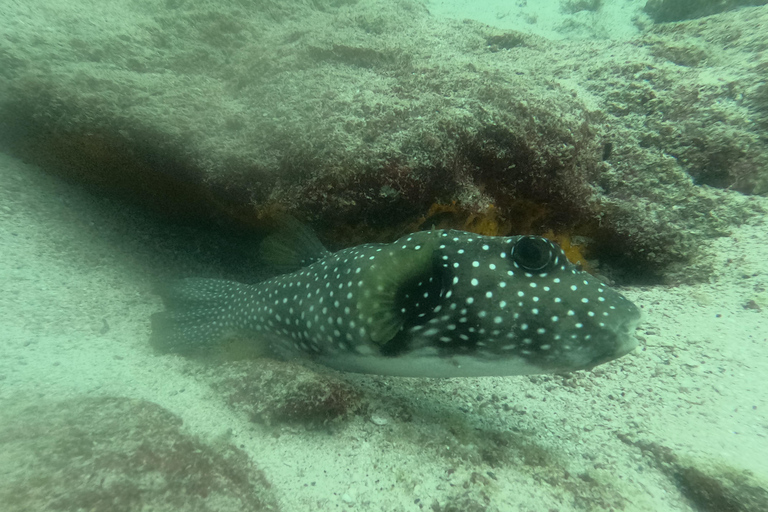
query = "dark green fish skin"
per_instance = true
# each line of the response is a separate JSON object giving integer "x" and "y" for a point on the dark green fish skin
{"x": 439, "y": 303}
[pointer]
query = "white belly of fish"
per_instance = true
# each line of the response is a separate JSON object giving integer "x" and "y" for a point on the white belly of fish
{"x": 426, "y": 363}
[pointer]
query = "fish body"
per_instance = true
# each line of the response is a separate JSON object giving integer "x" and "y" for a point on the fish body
{"x": 437, "y": 303}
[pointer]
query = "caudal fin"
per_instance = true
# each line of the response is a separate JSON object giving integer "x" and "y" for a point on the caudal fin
{"x": 198, "y": 315}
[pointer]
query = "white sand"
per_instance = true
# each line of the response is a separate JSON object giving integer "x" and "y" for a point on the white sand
{"x": 71, "y": 261}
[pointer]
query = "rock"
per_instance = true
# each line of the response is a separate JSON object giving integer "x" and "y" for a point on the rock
{"x": 278, "y": 393}
{"x": 662, "y": 11}
{"x": 374, "y": 118}
{"x": 120, "y": 455}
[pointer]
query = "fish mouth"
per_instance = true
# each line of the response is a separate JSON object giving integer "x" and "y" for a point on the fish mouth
{"x": 626, "y": 342}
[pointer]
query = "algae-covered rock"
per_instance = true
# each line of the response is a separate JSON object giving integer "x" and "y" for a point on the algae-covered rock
{"x": 276, "y": 393}
{"x": 709, "y": 484}
{"x": 361, "y": 116}
{"x": 678, "y": 10}
{"x": 120, "y": 455}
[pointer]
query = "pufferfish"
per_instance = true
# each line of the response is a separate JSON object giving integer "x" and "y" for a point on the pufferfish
{"x": 435, "y": 303}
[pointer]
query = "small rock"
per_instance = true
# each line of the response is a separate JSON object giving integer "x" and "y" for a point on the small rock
{"x": 379, "y": 420}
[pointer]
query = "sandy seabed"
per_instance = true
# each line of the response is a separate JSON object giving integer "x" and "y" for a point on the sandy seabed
{"x": 76, "y": 276}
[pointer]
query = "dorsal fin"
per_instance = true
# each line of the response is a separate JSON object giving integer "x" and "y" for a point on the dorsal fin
{"x": 291, "y": 246}
{"x": 404, "y": 263}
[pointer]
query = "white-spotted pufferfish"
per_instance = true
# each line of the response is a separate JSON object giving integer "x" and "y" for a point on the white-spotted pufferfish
{"x": 437, "y": 303}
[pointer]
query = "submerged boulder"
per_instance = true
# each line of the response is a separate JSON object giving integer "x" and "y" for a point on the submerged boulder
{"x": 366, "y": 118}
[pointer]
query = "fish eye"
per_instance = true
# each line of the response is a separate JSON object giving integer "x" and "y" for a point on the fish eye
{"x": 533, "y": 254}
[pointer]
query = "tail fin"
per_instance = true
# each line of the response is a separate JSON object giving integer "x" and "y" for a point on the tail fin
{"x": 197, "y": 315}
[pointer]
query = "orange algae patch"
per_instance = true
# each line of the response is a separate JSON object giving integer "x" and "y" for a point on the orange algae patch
{"x": 453, "y": 216}
{"x": 573, "y": 251}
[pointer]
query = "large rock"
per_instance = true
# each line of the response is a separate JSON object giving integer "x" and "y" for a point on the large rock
{"x": 364, "y": 114}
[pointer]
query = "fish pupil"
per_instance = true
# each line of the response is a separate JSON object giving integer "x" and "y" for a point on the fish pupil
{"x": 533, "y": 254}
